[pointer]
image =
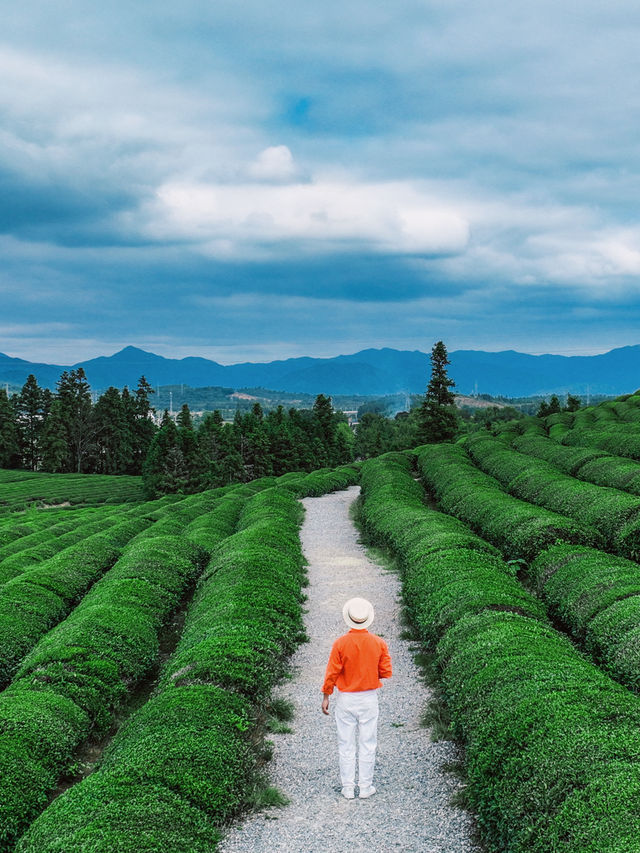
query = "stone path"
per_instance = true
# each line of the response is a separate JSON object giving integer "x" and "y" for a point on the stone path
{"x": 411, "y": 811}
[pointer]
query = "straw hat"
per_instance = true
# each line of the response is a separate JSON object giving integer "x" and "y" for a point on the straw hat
{"x": 358, "y": 613}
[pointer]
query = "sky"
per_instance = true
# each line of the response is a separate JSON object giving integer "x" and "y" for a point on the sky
{"x": 254, "y": 181}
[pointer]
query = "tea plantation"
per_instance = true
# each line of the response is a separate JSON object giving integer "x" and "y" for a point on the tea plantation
{"x": 518, "y": 553}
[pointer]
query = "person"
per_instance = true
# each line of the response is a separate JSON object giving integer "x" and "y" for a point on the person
{"x": 357, "y": 662}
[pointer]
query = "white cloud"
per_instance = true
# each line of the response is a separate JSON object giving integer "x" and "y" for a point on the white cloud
{"x": 274, "y": 164}
{"x": 327, "y": 215}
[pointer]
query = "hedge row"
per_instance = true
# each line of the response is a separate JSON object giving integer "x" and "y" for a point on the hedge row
{"x": 75, "y": 489}
{"x": 613, "y": 513}
{"x": 598, "y": 597}
{"x": 321, "y": 481}
{"x": 17, "y": 525}
{"x": 80, "y": 670}
{"x": 42, "y": 596}
{"x": 618, "y": 440}
{"x": 517, "y": 528}
{"x": 57, "y": 540}
{"x": 552, "y": 744}
{"x": 590, "y": 464}
{"x": 448, "y": 571}
{"x": 187, "y": 760}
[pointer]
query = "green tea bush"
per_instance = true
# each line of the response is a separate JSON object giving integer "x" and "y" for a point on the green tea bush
{"x": 545, "y": 730}
{"x": 598, "y": 597}
{"x": 447, "y": 570}
{"x": 106, "y": 814}
{"x": 519, "y": 529}
{"x": 194, "y": 741}
{"x": 618, "y": 440}
{"x": 44, "y": 594}
{"x": 322, "y": 481}
{"x": 607, "y": 510}
{"x": 85, "y": 665}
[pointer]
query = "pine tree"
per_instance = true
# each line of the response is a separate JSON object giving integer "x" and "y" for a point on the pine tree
{"x": 142, "y": 425}
{"x": 324, "y": 425}
{"x": 164, "y": 470}
{"x": 112, "y": 448}
{"x": 210, "y": 451}
{"x": 438, "y": 420}
{"x": 573, "y": 403}
{"x": 75, "y": 396}
{"x": 30, "y": 421}
{"x": 9, "y": 437}
{"x": 54, "y": 439}
{"x": 188, "y": 444}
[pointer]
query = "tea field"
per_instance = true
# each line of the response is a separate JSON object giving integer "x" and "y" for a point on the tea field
{"x": 518, "y": 552}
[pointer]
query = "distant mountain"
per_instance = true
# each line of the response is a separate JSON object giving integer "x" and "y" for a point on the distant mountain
{"x": 369, "y": 372}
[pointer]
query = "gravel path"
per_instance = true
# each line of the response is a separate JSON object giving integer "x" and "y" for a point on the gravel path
{"x": 411, "y": 811}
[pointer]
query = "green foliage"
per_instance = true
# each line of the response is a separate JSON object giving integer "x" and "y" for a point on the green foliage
{"x": 190, "y": 755}
{"x": 598, "y": 597}
{"x": 447, "y": 570}
{"x": 544, "y": 729}
{"x": 608, "y": 510}
{"x": 85, "y": 666}
{"x": 112, "y": 813}
{"x": 438, "y": 420}
{"x": 517, "y": 528}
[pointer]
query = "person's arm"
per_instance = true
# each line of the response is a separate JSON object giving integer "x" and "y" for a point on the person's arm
{"x": 384, "y": 663}
{"x": 334, "y": 668}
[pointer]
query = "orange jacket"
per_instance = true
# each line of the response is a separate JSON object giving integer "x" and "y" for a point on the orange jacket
{"x": 358, "y": 661}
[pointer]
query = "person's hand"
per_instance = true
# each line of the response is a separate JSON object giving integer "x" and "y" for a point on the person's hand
{"x": 325, "y": 705}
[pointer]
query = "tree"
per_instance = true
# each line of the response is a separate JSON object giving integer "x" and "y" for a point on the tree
{"x": 551, "y": 408}
{"x": 438, "y": 420}
{"x": 188, "y": 444}
{"x": 140, "y": 416}
{"x": 573, "y": 403}
{"x": 9, "y": 438}
{"x": 210, "y": 451}
{"x": 54, "y": 439}
{"x": 30, "y": 421}
{"x": 164, "y": 469}
{"x": 75, "y": 397}
{"x": 113, "y": 439}
{"x": 375, "y": 435}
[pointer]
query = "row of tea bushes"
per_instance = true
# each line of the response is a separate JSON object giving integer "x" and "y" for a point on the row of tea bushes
{"x": 595, "y": 595}
{"x": 618, "y": 439}
{"x": 81, "y": 669}
{"x": 34, "y": 549}
{"x": 192, "y": 749}
{"x": 17, "y": 525}
{"x": 519, "y": 529}
{"x": 74, "y": 489}
{"x": 31, "y": 604}
{"x": 615, "y": 514}
{"x": 448, "y": 571}
{"x": 598, "y": 597}
{"x": 552, "y": 744}
{"x": 585, "y": 463}
{"x": 320, "y": 482}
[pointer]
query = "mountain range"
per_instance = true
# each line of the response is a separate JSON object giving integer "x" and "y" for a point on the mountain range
{"x": 368, "y": 372}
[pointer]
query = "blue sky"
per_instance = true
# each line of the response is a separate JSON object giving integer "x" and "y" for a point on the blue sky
{"x": 257, "y": 181}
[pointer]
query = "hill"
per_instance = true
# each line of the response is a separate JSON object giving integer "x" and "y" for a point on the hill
{"x": 368, "y": 372}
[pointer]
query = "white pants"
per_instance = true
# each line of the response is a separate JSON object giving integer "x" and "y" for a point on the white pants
{"x": 358, "y": 710}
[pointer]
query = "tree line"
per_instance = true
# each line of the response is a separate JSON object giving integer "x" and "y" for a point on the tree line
{"x": 65, "y": 431}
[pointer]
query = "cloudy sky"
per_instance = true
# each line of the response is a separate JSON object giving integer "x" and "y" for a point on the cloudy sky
{"x": 251, "y": 181}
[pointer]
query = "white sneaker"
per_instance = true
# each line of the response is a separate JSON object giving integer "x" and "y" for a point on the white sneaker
{"x": 367, "y": 792}
{"x": 348, "y": 794}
